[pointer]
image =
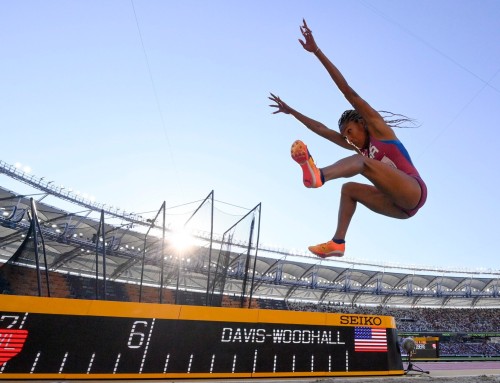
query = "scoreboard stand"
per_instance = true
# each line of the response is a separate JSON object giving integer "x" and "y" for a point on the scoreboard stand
{"x": 411, "y": 367}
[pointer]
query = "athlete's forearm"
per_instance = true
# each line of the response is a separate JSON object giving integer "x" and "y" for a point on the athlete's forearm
{"x": 367, "y": 112}
{"x": 337, "y": 77}
{"x": 316, "y": 126}
{"x": 320, "y": 129}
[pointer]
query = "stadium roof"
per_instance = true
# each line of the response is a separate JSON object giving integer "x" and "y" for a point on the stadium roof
{"x": 72, "y": 244}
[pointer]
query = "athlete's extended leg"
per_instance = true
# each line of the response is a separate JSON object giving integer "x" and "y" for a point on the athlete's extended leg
{"x": 352, "y": 193}
{"x": 368, "y": 195}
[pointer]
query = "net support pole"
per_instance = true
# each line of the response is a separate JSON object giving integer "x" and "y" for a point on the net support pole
{"x": 247, "y": 265}
{"x": 34, "y": 219}
{"x": 255, "y": 258}
{"x": 162, "y": 252}
{"x": 207, "y": 298}
{"x": 103, "y": 250}
{"x": 152, "y": 225}
{"x": 100, "y": 233}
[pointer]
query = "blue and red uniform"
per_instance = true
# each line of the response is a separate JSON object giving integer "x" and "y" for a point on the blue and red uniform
{"x": 393, "y": 153}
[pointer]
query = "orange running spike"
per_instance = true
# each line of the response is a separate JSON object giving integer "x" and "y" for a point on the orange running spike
{"x": 311, "y": 176}
{"x": 328, "y": 249}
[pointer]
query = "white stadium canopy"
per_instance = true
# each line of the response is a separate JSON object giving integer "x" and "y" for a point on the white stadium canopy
{"x": 70, "y": 233}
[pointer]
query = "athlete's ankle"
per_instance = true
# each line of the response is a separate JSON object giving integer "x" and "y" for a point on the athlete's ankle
{"x": 339, "y": 241}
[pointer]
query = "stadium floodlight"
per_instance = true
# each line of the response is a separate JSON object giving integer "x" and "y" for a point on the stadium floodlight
{"x": 410, "y": 347}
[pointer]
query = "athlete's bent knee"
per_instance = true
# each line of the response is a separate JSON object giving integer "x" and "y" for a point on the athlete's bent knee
{"x": 350, "y": 188}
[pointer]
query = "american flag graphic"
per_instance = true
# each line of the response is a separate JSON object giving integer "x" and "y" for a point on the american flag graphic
{"x": 11, "y": 343}
{"x": 368, "y": 339}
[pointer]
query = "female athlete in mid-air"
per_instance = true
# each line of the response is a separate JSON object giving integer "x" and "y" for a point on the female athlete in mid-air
{"x": 397, "y": 190}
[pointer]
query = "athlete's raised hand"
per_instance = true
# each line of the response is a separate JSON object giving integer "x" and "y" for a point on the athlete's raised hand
{"x": 309, "y": 45}
{"x": 281, "y": 106}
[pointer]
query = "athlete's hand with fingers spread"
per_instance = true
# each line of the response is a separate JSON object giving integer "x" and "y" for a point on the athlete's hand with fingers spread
{"x": 281, "y": 105}
{"x": 309, "y": 45}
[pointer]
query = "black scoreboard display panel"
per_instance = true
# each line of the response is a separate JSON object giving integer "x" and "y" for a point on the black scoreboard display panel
{"x": 426, "y": 347}
{"x": 44, "y": 338}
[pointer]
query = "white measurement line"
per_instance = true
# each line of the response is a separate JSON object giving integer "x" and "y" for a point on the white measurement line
{"x": 90, "y": 363}
{"x": 329, "y": 363}
{"x": 312, "y": 363}
{"x": 234, "y": 363}
{"x": 190, "y": 364}
{"x": 3, "y": 367}
{"x": 35, "y": 362}
{"x": 24, "y": 320}
{"x": 63, "y": 363}
{"x": 255, "y": 361}
{"x": 116, "y": 363}
{"x": 166, "y": 363}
{"x": 275, "y": 361}
{"x": 346, "y": 360}
{"x": 212, "y": 363}
{"x": 147, "y": 346}
{"x": 293, "y": 363}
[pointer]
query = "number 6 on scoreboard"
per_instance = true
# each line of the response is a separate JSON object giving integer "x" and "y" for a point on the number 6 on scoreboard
{"x": 136, "y": 338}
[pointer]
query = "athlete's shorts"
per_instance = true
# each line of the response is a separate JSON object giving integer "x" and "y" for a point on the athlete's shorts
{"x": 423, "y": 198}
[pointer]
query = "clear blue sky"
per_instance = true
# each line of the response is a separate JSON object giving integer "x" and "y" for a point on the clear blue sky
{"x": 142, "y": 102}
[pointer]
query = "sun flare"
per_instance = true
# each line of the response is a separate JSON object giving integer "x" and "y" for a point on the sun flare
{"x": 181, "y": 239}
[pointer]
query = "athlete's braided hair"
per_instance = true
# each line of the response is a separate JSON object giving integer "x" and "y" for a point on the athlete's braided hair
{"x": 392, "y": 119}
{"x": 349, "y": 115}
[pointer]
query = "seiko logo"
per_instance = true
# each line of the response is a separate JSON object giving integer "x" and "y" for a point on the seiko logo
{"x": 360, "y": 320}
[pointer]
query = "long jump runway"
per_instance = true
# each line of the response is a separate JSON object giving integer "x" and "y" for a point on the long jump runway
{"x": 459, "y": 371}
{"x": 448, "y": 368}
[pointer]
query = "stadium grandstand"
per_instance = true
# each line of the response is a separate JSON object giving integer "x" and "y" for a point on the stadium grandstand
{"x": 56, "y": 243}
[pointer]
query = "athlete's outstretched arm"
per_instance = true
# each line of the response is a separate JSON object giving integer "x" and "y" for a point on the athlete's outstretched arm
{"x": 374, "y": 120}
{"x": 316, "y": 126}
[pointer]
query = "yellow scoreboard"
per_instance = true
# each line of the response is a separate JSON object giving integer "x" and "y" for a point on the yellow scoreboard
{"x": 54, "y": 338}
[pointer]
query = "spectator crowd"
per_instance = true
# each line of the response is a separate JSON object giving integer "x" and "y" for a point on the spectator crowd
{"x": 465, "y": 328}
